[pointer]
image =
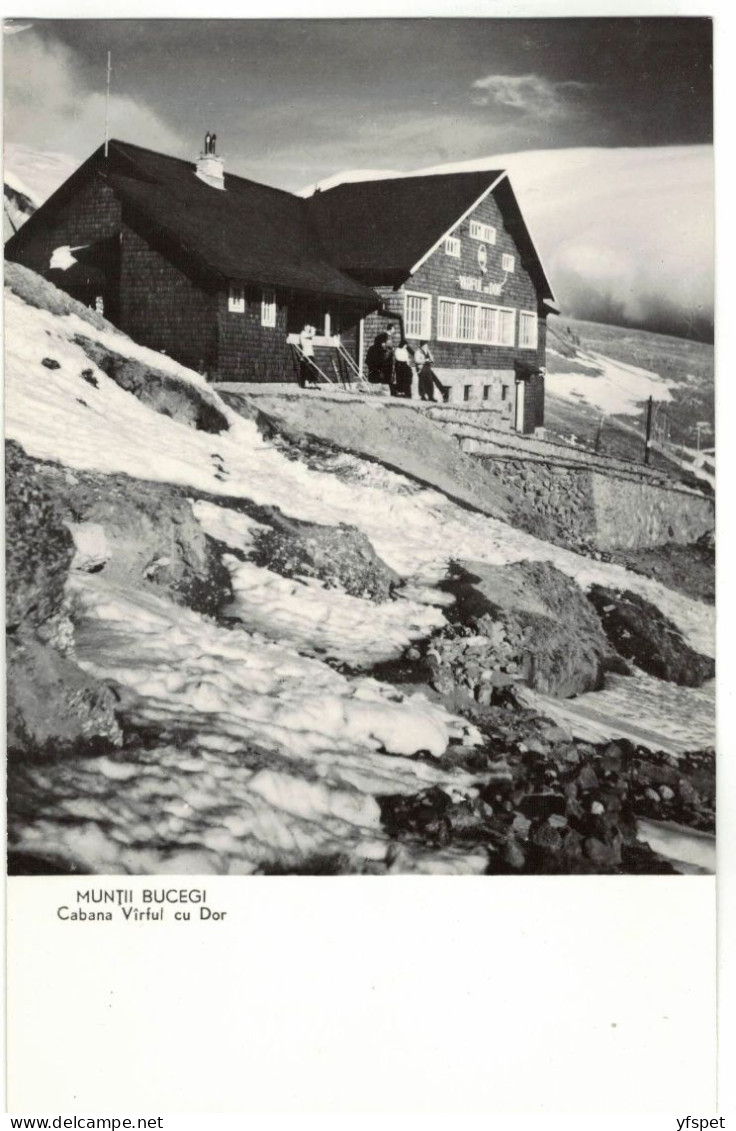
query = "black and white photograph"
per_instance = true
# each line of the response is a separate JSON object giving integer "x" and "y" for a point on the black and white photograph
{"x": 360, "y": 447}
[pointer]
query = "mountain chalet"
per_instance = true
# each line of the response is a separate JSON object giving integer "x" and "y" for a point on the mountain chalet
{"x": 222, "y": 273}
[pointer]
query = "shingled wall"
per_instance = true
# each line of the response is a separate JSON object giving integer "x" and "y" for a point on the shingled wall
{"x": 93, "y": 213}
{"x": 439, "y": 277}
{"x": 163, "y": 307}
{"x": 477, "y": 373}
{"x": 248, "y": 351}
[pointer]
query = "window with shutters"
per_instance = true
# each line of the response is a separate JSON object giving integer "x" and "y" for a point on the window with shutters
{"x": 507, "y": 262}
{"x": 487, "y": 324}
{"x": 452, "y": 247}
{"x": 268, "y": 307}
{"x": 417, "y": 315}
{"x": 236, "y": 300}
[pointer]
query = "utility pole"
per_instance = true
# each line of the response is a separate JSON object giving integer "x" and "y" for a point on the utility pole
{"x": 107, "y": 102}
{"x": 598, "y": 433}
{"x": 649, "y": 431}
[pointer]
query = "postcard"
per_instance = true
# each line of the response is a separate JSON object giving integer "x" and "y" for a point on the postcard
{"x": 360, "y": 564}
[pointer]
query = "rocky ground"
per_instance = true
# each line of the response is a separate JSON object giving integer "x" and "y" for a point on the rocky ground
{"x": 236, "y": 649}
{"x": 535, "y": 799}
{"x": 689, "y": 569}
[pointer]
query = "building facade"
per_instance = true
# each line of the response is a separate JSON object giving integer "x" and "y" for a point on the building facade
{"x": 222, "y": 273}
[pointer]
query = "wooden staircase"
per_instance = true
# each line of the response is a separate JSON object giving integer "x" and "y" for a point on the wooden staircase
{"x": 333, "y": 365}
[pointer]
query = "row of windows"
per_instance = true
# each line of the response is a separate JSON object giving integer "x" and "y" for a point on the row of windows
{"x": 458, "y": 320}
{"x": 236, "y": 304}
{"x": 474, "y": 322}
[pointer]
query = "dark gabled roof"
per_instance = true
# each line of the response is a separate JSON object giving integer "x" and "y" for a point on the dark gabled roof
{"x": 377, "y": 231}
{"x": 249, "y": 232}
{"x": 387, "y": 226}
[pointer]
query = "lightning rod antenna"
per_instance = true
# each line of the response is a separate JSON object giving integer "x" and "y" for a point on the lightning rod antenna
{"x": 107, "y": 101}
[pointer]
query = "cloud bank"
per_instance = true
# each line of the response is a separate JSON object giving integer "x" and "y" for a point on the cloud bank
{"x": 626, "y": 235}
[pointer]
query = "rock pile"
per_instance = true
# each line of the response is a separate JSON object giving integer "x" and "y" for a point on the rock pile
{"x": 341, "y": 556}
{"x": 640, "y": 632}
{"x": 545, "y": 803}
{"x": 523, "y": 622}
{"x": 141, "y": 534}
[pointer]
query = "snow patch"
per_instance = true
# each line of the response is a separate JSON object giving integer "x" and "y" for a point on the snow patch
{"x": 611, "y": 386}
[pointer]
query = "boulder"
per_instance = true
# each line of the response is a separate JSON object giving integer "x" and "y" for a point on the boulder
{"x": 54, "y": 708}
{"x": 340, "y": 556}
{"x": 641, "y": 633}
{"x": 38, "y": 546}
{"x": 524, "y": 622}
{"x": 140, "y": 534}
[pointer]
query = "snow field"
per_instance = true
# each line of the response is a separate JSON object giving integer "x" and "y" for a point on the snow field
{"x": 613, "y": 387}
{"x": 270, "y": 756}
{"x": 265, "y": 752}
{"x": 415, "y": 531}
{"x": 304, "y": 613}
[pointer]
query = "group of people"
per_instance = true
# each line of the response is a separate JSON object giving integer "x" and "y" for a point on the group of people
{"x": 395, "y": 367}
{"x": 387, "y": 364}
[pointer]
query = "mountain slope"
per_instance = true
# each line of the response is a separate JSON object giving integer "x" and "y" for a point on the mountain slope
{"x": 610, "y": 371}
{"x": 269, "y": 714}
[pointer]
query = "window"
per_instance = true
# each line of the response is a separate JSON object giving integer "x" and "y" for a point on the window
{"x": 475, "y": 322}
{"x": 236, "y": 300}
{"x": 483, "y": 232}
{"x": 268, "y": 307}
{"x": 446, "y": 319}
{"x": 452, "y": 247}
{"x": 418, "y": 315}
{"x": 486, "y": 392}
{"x": 466, "y": 318}
{"x": 507, "y": 326}
{"x": 504, "y": 392}
{"x": 507, "y": 262}
{"x": 466, "y": 392}
{"x": 487, "y": 324}
{"x": 528, "y": 329}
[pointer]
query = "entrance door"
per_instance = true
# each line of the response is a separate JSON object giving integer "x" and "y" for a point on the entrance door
{"x": 520, "y": 397}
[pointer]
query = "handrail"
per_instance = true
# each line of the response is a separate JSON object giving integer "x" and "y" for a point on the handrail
{"x": 351, "y": 363}
{"x": 301, "y": 354}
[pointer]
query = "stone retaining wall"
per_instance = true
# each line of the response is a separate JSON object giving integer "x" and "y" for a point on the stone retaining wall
{"x": 610, "y": 503}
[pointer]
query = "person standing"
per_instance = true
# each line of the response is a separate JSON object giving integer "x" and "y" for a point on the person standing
{"x": 428, "y": 380}
{"x": 375, "y": 359}
{"x": 402, "y": 360}
{"x": 306, "y": 357}
{"x": 389, "y": 363}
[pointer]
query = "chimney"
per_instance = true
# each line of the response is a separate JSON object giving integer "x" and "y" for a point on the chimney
{"x": 210, "y": 167}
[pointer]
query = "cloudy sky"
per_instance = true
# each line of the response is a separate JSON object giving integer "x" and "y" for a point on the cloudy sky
{"x": 294, "y": 101}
